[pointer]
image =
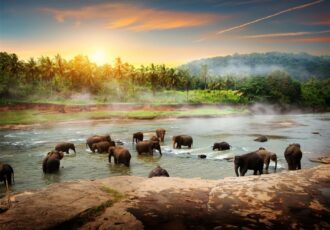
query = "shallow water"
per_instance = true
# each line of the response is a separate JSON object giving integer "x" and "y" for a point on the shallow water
{"x": 25, "y": 149}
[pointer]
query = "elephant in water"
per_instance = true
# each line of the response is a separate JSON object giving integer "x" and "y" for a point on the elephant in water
{"x": 267, "y": 156}
{"x": 148, "y": 147}
{"x": 137, "y": 137}
{"x": 95, "y": 139}
{"x": 293, "y": 156}
{"x": 6, "y": 174}
{"x": 103, "y": 146}
{"x": 120, "y": 154}
{"x": 180, "y": 140}
{"x": 160, "y": 132}
{"x": 221, "y": 146}
{"x": 65, "y": 147}
{"x": 158, "y": 171}
{"x": 248, "y": 161}
{"x": 51, "y": 162}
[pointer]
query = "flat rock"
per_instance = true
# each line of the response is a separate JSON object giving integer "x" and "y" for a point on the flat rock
{"x": 291, "y": 200}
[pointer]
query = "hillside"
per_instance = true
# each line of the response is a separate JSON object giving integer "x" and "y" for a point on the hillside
{"x": 299, "y": 66}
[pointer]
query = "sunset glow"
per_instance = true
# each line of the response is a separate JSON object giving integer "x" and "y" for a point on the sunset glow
{"x": 144, "y": 32}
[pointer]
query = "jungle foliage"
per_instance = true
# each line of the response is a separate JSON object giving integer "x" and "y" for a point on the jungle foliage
{"x": 56, "y": 79}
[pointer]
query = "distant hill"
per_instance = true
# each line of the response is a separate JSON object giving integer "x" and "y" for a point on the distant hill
{"x": 299, "y": 66}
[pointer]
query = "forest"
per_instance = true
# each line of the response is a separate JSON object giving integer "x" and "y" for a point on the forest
{"x": 55, "y": 79}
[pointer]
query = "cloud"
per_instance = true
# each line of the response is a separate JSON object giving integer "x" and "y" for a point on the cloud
{"x": 269, "y": 16}
{"x": 290, "y": 34}
{"x": 311, "y": 40}
{"x": 133, "y": 17}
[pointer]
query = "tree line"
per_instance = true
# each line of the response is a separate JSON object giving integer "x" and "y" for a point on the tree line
{"x": 46, "y": 78}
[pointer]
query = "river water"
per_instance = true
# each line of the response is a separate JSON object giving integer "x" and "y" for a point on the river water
{"x": 25, "y": 149}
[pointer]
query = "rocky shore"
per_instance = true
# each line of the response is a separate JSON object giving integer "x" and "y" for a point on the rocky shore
{"x": 286, "y": 200}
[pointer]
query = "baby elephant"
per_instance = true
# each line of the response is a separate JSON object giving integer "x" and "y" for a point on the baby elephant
{"x": 221, "y": 146}
{"x": 65, "y": 147}
{"x": 6, "y": 174}
{"x": 248, "y": 161}
{"x": 293, "y": 156}
{"x": 103, "y": 146}
{"x": 158, "y": 171}
{"x": 137, "y": 137}
{"x": 51, "y": 162}
{"x": 120, "y": 155}
{"x": 182, "y": 140}
{"x": 267, "y": 156}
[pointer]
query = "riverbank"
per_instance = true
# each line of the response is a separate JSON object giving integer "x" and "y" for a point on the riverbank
{"x": 27, "y": 114}
{"x": 291, "y": 200}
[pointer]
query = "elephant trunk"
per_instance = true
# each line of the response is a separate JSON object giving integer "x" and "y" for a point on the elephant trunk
{"x": 160, "y": 151}
{"x": 236, "y": 169}
{"x": 173, "y": 144}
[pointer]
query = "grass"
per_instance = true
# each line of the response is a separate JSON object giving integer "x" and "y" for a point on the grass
{"x": 30, "y": 116}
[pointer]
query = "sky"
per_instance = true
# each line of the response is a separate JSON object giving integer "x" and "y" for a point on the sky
{"x": 169, "y": 32}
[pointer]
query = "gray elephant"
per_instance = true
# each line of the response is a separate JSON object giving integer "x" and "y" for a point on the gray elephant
{"x": 137, "y": 137}
{"x": 158, "y": 171}
{"x": 120, "y": 155}
{"x": 95, "y": 139}
{"x": 65, "y": 147}
{"x": 160, "y": 132}
{"x": 221, "y": 146}
{"x": 293, "y": 156}
{"x": 103, "y": 146}
{"x": 182, "y": 140}
{"x": 148, "y": 147}
{"x": 261, "y": 139}
{"x": 248, "y": 161}
{"x": 6, "y": 174}
{"x": 267, "y": 156}
{"x": 51, "y": 162}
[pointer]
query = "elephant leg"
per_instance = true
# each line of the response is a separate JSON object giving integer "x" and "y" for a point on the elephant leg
{"x": 243, "y": 171}
{"x": 299, "y": 165}
{"x": 189, "y": 146}
{"x": 267, "y": 163}
{"x": 178, "y": 146}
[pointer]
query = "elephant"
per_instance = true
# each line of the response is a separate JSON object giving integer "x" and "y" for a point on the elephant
{"x": 102, "y": 147}
{"x": 261, "y": 139}
{"x": 293, "y": 156}
{"x": 137, "y": 137}
{"x": 267, "y": 156}
{"x": 95, "y": 139}
{"x": 221, "y": 146}
{"x": 6, "y": 174}
{"x": 158, "y": 171}
{"x": 180, "y": 140}
{"x": 160, "y": 132}
{"x": 148, "y": 147}
{"x": 154, "y": 138}
{"x": 120, "y": 155}
{"x": 248, "y": 161}
{"x": 65, "y": 147}
{"x": 51, "y": 162}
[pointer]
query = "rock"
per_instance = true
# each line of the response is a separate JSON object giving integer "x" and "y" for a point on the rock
{"x": 296, "y": 199}
{"x": 261, "y": 139}
{"x": 202, "y": 156}
{"x": 323, "y": 160}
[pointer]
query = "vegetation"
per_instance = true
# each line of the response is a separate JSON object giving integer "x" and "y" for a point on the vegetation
{"x": 80, "y": 81}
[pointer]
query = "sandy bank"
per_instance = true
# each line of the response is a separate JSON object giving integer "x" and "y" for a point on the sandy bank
{"x": 287, "y": 200}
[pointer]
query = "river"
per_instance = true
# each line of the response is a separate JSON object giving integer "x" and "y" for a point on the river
{"x": 25, "y": 149}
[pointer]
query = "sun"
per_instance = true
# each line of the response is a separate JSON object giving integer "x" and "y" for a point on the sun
{"x": 99, "y": 57}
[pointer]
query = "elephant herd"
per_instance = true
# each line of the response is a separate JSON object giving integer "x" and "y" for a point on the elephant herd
{"x": 104, "y": 144}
